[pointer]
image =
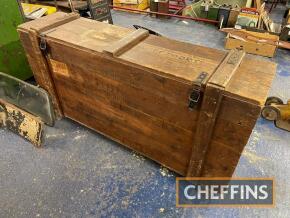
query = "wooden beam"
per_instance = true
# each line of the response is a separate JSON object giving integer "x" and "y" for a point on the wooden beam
{"x": 126, "y": 43}
{"x": 213, "y": 97}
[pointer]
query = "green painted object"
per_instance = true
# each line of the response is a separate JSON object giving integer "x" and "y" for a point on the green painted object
{"x": 197, "y": 10}
{"x": 203, "y": 13}
{"x": 288, "y": 4}
{"x": 213, "y": 12}
{"x": 12, "y": 56}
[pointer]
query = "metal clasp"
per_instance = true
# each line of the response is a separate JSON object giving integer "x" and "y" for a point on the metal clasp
{"x": 42, "y": 44}
{"x": 196, "y": 93}
{"x": 195, "y": 96}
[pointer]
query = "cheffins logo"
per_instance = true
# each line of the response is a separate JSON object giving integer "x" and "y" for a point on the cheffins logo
{"x": 201, "y": 192}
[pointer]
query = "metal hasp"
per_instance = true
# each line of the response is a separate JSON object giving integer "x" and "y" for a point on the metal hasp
{"x": 28, "y": 97}
{"x": 275, "y": 110}
{"x": 12, "y": 56}
{"x": 196, "y": 93}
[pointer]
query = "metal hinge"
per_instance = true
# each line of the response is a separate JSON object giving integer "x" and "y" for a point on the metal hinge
{"x": 196, "y": 93}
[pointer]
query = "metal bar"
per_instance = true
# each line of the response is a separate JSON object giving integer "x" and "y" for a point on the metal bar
{"x": 55, "y": 4}
{"x": 166, "y": 14}
{"x": 71, "y": 6}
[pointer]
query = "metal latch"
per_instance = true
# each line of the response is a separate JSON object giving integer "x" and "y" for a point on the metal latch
{"x": 42, "y": 44}
{"x": 195, "y": 95}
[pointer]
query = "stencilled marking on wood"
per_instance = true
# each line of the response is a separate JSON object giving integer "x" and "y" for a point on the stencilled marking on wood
{"x": 186, "y": 58}
{"x": 59, "y": 68}
{"x": 110, "y": 91}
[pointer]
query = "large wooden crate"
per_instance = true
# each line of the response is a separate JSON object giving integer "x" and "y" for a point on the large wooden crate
{"x": 188, "y": 107}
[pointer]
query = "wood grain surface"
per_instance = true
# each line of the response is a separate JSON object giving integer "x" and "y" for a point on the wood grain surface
{"x": 140, "y": 96}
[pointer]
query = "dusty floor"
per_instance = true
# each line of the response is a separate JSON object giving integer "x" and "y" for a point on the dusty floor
{"x": 80, "y": 173}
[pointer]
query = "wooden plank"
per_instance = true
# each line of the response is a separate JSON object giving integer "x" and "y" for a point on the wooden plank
{"x": 38, "y": 61}
{"x": 251, "y": 47}
{"x": 179, "y": 60}
{"x": 88, "y": 72}
{"x": 113, "y": 91}
{"x": 238, "y": 112}
{"x": 43, "y": 75}
{"x": 108, "y": 67}
{"x": 126, "y": 43}
{"x": 210, "y": 108}
{"x": 169, "y": 63}
{"x": 29, "y": 36}
{"x": 252, "y": 81}
{"x": 89, "y": 34}
{"x": 222, "y": 161}
{"x": 63, "y": 20}
{"x": 145, "y": 91}
{"x": 193, "y": 50}
{"x": 26, "y": 43}
{"x": 44, "y": 21}
{"x": 95, "y": 36}
{"x": 141, "y": 132}
{"x": 227, "y": 69}
{"x": 205, "y": 126}
{"x": 78, "y": 74}
{"x": 236, "y": 137}
{"x": 228, "y": 146}
{"x": 229, "y": 137}
{"x": 258, "y": 4}
{"x": 39, "y": 66}
{"x": 121, "y": 71}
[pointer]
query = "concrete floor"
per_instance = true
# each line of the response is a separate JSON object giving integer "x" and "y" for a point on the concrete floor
{"x": 80, "y": 173}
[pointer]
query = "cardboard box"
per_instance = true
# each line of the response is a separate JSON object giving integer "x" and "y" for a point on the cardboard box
{"x": 251, "y": 47}
{"x": 135, "y": 4}
{"x": 247, "y": 20}
{"x": 131, "y": 2}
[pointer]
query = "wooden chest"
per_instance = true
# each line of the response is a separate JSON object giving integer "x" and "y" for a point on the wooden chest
{"x": 188, "y": 107}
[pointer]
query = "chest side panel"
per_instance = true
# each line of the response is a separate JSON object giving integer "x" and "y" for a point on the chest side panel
{"x": 137, "y": 108}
